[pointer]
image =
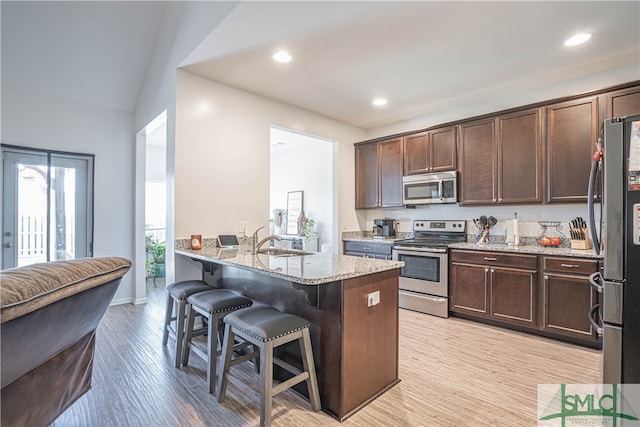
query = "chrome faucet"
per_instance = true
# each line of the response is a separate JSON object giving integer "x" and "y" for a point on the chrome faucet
{"x": 256, "y": 246}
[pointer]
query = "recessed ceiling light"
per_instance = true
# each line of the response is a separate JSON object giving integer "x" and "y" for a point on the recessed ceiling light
{"x": 379, "y": 102}
{"x": 577, "y": 39}
{"x": 282, "y": 57}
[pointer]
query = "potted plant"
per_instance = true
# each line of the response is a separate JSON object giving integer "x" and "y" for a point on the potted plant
{"x": 156, "y": 256}
{"x": 308, "y": 229}
{"x": 158, "y": 259}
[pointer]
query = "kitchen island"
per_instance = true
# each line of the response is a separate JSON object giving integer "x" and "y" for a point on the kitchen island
{"x": 351, "y": 302}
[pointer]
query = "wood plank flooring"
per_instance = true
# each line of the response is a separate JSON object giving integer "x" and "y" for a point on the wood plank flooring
{"x": 454, "y": 373}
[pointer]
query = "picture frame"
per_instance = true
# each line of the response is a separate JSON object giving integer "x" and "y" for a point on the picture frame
{"x": 295, "y": 200}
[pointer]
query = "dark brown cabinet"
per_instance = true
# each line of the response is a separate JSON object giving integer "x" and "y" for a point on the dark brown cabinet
{"x": 431, "y": 151}
{"x": 379, "y": 168}
{"x": 468, "y": 291}
{"x": 499, "y": 286}
{"x": 541, "y": 153}
{"x": 572, "y": 134}
{"x": 568, "y": 297}
{"x": 520, "y": 157}
{"x": 623, "y": 102}
{"x": 478, "y": 169}
{"x": 502, "y": 159}
{"x": 553, "y": 299}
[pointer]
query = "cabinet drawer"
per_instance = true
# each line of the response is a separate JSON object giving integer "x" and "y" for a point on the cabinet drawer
{"x": 369, "y": 248}
{"x": 495, "y": 258}
{"x": 570, "y": 265}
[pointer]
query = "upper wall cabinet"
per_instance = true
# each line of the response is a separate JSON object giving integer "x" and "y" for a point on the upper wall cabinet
{"x": 622, "y": 102}
{"x": 502, "y": 159}
{"x": 520, "y": 157}
{"x": 478, "y": 169}
{"x": 572, "y": 134}
{"x": 431, "y": 151}
{"x": 379, "y": 167}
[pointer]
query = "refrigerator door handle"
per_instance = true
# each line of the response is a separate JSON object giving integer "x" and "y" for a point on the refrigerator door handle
{"x": 595, "y": 324}
{"x": 594, "y": 281}
{"x": 593, "y": 174}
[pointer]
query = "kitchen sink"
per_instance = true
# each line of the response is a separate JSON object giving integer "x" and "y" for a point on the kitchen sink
{"x": 280, "y": 252}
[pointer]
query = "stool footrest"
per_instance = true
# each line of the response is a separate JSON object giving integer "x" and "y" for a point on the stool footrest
{"x": 289, "y": 383}
{"x": 285, "y": 365}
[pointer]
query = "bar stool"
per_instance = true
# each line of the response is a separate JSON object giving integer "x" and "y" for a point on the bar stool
{"x": 213, "y": 305}
{"x": 177, "y": 294}
{"x": 268, "y": 328}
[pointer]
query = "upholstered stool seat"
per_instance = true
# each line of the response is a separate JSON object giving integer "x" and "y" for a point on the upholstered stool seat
{"x": 177, "y": 294}
{"x": 267, "y": 328}
{"x": 213, "y": 305}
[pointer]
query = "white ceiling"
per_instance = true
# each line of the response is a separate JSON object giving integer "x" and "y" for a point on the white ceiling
{"x": 92, "y": 52}
{"x": 425, "y": 57}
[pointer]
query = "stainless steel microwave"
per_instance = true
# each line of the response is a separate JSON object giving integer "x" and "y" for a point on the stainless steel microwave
{"x": 428, "y": 188}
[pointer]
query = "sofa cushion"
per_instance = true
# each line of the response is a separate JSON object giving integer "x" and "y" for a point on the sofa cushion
{"x": 28, "y": 288}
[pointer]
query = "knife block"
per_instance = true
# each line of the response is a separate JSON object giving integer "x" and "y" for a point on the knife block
{"x": 581, "y": 244}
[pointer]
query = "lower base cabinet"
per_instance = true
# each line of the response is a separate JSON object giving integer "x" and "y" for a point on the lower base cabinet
{"x": 568, "y": 296}
{"x": 494, "y": 285}
{"x": 547, "y": 295}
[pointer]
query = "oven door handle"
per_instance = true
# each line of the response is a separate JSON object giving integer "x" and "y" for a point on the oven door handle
{"x": 407, "y": 250}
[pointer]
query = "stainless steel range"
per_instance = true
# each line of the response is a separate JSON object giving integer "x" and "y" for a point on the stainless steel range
{"x": 424, "y": 279}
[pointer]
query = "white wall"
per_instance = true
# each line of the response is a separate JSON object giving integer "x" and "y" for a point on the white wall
{"x": 185, "y": 25}
{"x": 308, "y": 167}
{"x": 36, "y": 120}
{"x": 222, "y": 151}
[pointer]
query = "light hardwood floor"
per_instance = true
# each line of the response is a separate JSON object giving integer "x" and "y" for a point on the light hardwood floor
{"x": 454, "y": 373}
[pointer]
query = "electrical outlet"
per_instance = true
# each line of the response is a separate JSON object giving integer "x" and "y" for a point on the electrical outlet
{"x": 373, "y": 298}
{"x": 243, "y": 226}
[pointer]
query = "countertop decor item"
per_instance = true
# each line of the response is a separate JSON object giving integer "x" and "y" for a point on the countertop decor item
{"x": 196, "y": 241}
{"x": 294, "y": 208}
{"x": 547, "y": 238}
{"x": 278, "y": 217}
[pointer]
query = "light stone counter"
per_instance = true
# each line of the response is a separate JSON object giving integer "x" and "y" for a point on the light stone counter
{"x": 313, "y": 269}
{"x": 526, "y": 249}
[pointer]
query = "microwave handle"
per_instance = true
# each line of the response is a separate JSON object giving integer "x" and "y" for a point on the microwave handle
{"x": 440, "y": 189}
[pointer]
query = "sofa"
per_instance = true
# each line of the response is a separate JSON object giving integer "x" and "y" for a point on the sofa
{"x": 48, "y": 319}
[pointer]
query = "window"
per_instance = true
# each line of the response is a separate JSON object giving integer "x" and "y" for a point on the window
{"x": 47, "y": 206}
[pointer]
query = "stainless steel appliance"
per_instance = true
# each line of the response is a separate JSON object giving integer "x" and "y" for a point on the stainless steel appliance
{"x": 385, "y": 227}
{"x": 424, "y": 279}
{"x": 428, "y": 188}
{"x": 618, "y": 315}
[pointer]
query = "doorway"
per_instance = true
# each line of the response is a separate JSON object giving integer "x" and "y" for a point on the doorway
{"x": 151, "y": 206}
{"x": 303, "y": 162}
{"x": 47, "y": 200}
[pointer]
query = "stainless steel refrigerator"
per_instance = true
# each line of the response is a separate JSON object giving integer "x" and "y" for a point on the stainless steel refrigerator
{"x": 616, "y": 234}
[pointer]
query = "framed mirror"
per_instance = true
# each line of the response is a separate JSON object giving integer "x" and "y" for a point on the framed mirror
{"x": 294, "y": 207}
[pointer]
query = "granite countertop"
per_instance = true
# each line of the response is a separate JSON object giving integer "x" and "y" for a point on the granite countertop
{"x": 527, "y": 249}
{"x": 313, "y": 269}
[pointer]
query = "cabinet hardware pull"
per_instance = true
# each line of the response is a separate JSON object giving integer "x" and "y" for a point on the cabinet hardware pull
{"x": 486, "y": 270}
{"x": 490, "y": 259}
{"x": 546, "y": 277}
{"x": 569, "y": 265}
